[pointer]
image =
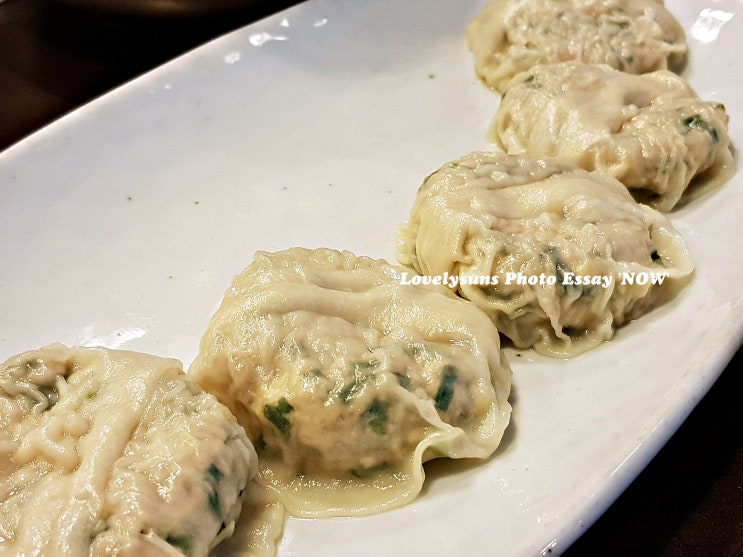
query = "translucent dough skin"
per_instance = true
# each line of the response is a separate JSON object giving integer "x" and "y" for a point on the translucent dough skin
{"x": 634, "y": 36}
{"x": 651, "y": 132}
{"x": 347, "y": 380}
{"x": 109, "y": 452}
{"x": 489, "y": 214}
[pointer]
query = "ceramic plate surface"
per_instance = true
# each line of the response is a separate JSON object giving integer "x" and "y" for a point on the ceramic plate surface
{"x": 123, "y": 223}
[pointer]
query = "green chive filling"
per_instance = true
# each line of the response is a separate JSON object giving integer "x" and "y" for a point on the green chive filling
{"x": 445, "y": 392}
{"x": 277, "y": 416}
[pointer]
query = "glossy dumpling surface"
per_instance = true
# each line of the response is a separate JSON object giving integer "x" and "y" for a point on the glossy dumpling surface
{"x": 543, "y": 247}
{"x": 348, "y": 380}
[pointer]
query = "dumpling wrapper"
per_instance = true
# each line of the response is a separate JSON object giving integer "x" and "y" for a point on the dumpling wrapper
{"x": 634, "y": 36}
{"x": 111, "y": 452}
{"x": 651, "y": 132}
{"x": 489, "y": 214}
{"x": 347, "y": 381}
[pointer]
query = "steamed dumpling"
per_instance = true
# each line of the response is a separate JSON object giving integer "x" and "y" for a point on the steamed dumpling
{"x": 634, "y": 36}
{"x": 543, "y": 247}
{"x": 108, "y": 452}
{"x": 651, "y": 132}
{"x": 347, "y": 380}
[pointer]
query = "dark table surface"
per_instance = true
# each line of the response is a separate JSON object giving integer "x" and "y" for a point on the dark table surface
{"x": 55, "y": 57}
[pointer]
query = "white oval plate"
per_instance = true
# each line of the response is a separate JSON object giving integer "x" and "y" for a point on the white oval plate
{"x": 123, "y": 223}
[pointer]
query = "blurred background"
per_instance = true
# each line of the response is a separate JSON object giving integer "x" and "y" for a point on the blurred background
{"x": 58, "y": 54}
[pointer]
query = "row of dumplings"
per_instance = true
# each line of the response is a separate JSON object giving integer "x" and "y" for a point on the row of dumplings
{"x": 326, "y": 379}
{"x": 348, "y": 373}
{"x": 597, "y": 141}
